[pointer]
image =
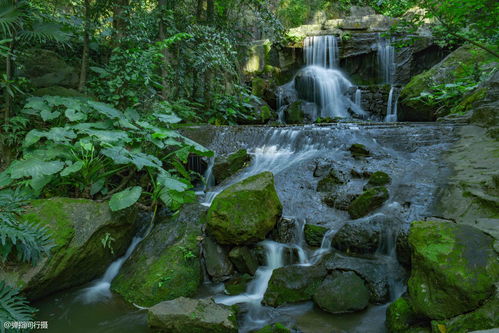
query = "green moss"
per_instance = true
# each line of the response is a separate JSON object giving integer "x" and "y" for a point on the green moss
{"x": 329, "y": 182}
{"x": 245, "y": 212}
{"x": 379, "y": 178}
{"x": 294, "y": 113}
{"x": 454, "y": 268}
{"x": 258, "y": 86}
{"x": 226, "y": 167}
{"x": 274, "y": 328}
{"x": 401, "y": 318}
{"x": 237, "y": 285}
{"x": 314, "y": 234}
{"x": 469, "y": 101}
{"x": 359, "y": 150}
{"x": 368, "y": 201}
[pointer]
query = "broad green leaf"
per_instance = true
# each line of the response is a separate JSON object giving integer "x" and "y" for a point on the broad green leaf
{"x": 106, "y": 110}
{"x": 97, "y": 186}
{"x": 47, "y": 115}
{"x": 120, "y": 155}
{"x": 32, "y": 137}
{"x": 97, "y": 125}
{"x": 167, "y": 118}
{"x": 38, "y": 183}
{"x": 173, "y": 183}
{"x": 125, "y": 198}
{"x": 75, "y": 115}
{"x": 174, "y": 200}
{"x": 109, "y": 136}
{"x": 60, "y": 134}
{"x": 34, "y": 168}
{"x": 5, "y": 179}
{"x": 75, "y": 167}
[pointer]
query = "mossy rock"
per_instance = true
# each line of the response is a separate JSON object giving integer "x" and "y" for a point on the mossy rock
{"x": 370, "y": 200}
{"x": 294, "y": 113}
{"x": 329, "y": 182}
{"x": 292, "y": 284}
{"x": 238, "y": 284}
{"x": 226, "y": 167}
{"x": 379, "y": 178}
{"x": 77, "y": 227}
{"x": 274, "y": 328}
{"x": 166, "y": 264}
{"x": 244, "y": 260}
{"x": 359, "y": 150}
{"x": 401, "y": 318}
{"x": 314, "y": 234}
{"x": 469, "y": 101}
{"x": 183, "y": 315}
{"x": 454, "y": 268}
{"x": 58, "y": 91}
{"x": 245, "y": 212}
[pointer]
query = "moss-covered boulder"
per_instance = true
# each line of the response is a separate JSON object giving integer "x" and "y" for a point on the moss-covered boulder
{"x": 314, "y": 234}
{"x": 454, "y": 268}
{"x": 370, "y": 200}
{"x": 342, "y": 292}
{"x": 166, "y": 263}
{"x": 358, "y": 150}
{"x": 294, "y": 113}
{"x": 379, "y": 178}
{"x": 77, "y": 228}
{"x": 445, "y": 72}
{"x": 244, "y": 260}
{"x": 244, "y": 213}
{"x": 274, "y": 328}
{"x": 401, "y": 318}
{"x": 183, "y": 315}
{"x": 292, "y": 284}
{"x": 238, "y": 284}
{"x": 329, "y": 182}
{"x": 227, "y": 166}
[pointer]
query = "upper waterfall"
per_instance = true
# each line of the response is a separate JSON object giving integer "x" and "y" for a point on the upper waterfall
{"x": 322, "y": 51}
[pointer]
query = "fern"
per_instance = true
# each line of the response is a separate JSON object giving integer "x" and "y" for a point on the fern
{"x": 13, "y": 307}
{"x": 27, "y": 241}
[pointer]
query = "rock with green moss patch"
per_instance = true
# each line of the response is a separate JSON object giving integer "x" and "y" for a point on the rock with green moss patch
{"x": 314, "y": 234}
{"x": 359, "y": 150}
{"x": 227, "y": 166}
{"x": 237, "y": 285}
{"x": 294, "y": 113}
{"x": 77, "y": 228}
{"x": 329, "y": 182}
{"x": 454, "y": 268}
{"x": 166, "y": 263}
{"x": 292, "y": 284}
{"x": 379, "y": 178}
{"x": 370, "y": 200}
{"x": 183, "y": 315}
{"x": 245, "y": 212}
{"x": 401, "y": 318}
{"x": 274, "y": 328}
{"x": 342, "y": 292}
{"x": 243, "y": 259}
{"x": 217, "y": 263}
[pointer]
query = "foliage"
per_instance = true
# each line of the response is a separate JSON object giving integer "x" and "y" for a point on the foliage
{"x": 107, "y": 241}
{"x": 26, "y": 240}
{"x": 90, "y": 149}
{"x": 13, "y": 307}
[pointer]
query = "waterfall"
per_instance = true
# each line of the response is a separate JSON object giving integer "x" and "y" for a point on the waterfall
{"x": 101, "y": 289}
{"x": 322, "y": 51}
{"x": 386, "y": 60}
{"x": 209, "y": 178}
{"x": 391, "y": 108}
{"x": 358, "y": 97}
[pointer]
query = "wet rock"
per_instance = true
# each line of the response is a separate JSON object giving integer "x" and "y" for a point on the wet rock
{"x": 77, "y": 227}
{"x": 368, "y": 201}
{"x": 292, "y": 284}
{"x": 401, "y": 318}
{"x": 274, "y": 328}
{"x": 359, "y": 150}
{"x": 339, "y": 200}
{"x": 238, "y": 285}
{"x": 245, "y": 212}
{"x": 314, "y": 234}
{"x": 218, "y": 265}
{"x": 402, "y": 246}
{"x": 285, "y": 231}
{"x": 294, "y": 113}
{"x": 342, "y": 292}
{"x": 321, "y": 169}
{"x": 226, "y": 167}
{"x": 166, "y": 264}
{"x": 329, "y": 182}
{"x": 454, "y": 268}
{"x": 373, "y": 271}
{"x": 244, "y": 260}
{"x": 379, "y": 178}
{"x": 363, "y": 236}
{"x": 192, "y": 315}
{"x": 360, "y": 173}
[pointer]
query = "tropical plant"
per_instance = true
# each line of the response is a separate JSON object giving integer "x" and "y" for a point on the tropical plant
{"x": 90, "y": 149}
{"x": 13, "y": 306}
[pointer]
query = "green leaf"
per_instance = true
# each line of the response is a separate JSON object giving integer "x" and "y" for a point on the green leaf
{"x": 38, "y": 183}
{"x": 97, "y": 186}
{"x": 34, "y": 168}
{"x": 72, "y": 168}
{"x": 5, "y": 179}
{"x": 109, "y": 136}
{"x": 167, "y": 118}
{"x": 48, "y": 115}
{"x": 106, "y": 110}
{"x": 75, "y": 115}
{"x": 173, "y": 183}
{"x": 125, "y": 198}
{"x": 32, "y": 137}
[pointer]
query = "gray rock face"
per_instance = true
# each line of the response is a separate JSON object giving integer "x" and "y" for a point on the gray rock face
{"x": 342, "y": 292}
{"x": 192, "y": 315}
{"x": 244, "y": 260}
{"x": 285, "y": 231}
{"x": 218, "y": 265}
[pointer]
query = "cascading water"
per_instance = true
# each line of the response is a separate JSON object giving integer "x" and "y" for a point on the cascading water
{"x": 387, "y": 69}
{"x": 322, "y": 51}
{"x": 358, "y": 98}
{"x": 391, "y": 107}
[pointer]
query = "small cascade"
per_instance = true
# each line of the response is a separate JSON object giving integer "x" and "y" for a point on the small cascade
{"x": 209, "y": 178}
{"x": 358, "y": 98}
{"x": 101, "y": 289}
{"x": 322, "y": 51}
{"x": 391, "y": 108}
{"x": 386, "y": 60}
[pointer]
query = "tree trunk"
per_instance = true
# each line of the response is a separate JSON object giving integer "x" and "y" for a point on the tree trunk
{"x": 199, "y": 11}
{"x": 119, "y": 21}
{"x": 86, "y": 41}
{"x": 210, "y": 11}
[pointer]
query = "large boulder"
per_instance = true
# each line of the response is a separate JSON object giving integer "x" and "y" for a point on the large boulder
{"x": 444, "y": 72}
{"x": 166, "y": 263}
{"x": 342, "y": 292}
{"x": 292, "y": 284}
{"x": 314, "y": 234}
{"x": 245, "y": 212}
{"x": 46, "y": 68}
{"x": 192, "y": 315}
{"x": 370, "y": 200}
{"x": 244, "y": 259}
{"x": 77, "y": 228}
{"x": 454, "y": 268}
{"x": 217, "y": 262}
{"x": 227, "y": 166}
{"x": 401, "y": 318}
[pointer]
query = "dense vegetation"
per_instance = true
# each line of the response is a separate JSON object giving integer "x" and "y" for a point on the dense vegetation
{"x": 145, "y": 68}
